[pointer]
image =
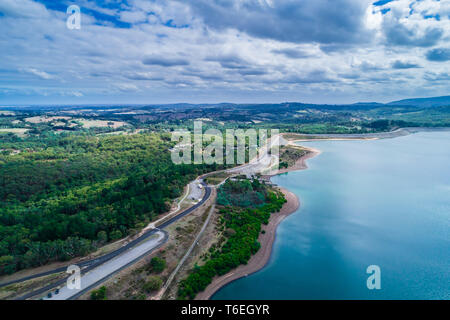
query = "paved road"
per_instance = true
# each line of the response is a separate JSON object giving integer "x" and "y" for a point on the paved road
{"x": 107, "y": 269}
{"x": 89, "y": 265}
{"x": 264, "y": 163}
{"x": 195, "y": 191}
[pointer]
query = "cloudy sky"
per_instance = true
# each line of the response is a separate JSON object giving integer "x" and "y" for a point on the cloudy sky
{"x": 199, "y": 51}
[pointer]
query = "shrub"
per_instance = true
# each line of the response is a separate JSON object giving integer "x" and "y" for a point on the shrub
{"x": 158, "y": 265}
{"x": 99, "y": 294}
{"x": 153, "y": 283}
{"x": 115, "y": 235}
{"x": 102, "y": 236}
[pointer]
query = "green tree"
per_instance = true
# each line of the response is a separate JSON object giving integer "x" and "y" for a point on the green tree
{"x": 102, "y": 237}
{"x": 158, "y": 264}
{"x": 99, "y": 294}
{"x": 115, "y": 235}
{"x": 7, "y": 265}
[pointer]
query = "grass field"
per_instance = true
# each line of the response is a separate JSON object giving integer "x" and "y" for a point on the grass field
{"x": 101, "y": 123}
{"x": 18, "y": 131}
{"x": 7, "y": 113}
{"x": 42, "y": 119}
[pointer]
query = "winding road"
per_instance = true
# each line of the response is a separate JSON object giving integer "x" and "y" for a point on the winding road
{"x": 130, "y": 250}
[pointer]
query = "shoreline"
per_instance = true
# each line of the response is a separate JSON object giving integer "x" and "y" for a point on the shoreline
{"x": 258, "y": 261}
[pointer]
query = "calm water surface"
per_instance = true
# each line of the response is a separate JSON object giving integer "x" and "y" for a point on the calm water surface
{"x": 384, "y": 203}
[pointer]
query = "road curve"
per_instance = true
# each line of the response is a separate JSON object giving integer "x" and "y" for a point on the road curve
{"x": 100, "y": 274}
{"x": 93, "y": 263}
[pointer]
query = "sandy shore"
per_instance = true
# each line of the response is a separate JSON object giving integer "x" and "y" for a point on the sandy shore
{"x": 262, "y": 257}
{"x": 301, "y": 163}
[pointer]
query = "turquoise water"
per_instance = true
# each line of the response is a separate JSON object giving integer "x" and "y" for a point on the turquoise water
{"x": 384, "y": 202}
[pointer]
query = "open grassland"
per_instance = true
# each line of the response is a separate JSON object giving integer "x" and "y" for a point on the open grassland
{"x": 21, "y": 132}
{"x": 101, "y": 124}
{"x": 7, "y": 113}
{"x": 45, "y": 119}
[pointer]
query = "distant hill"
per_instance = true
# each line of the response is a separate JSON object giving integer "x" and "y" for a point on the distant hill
{"x": 419, "y": 103}
{"x": 424, "y": 102}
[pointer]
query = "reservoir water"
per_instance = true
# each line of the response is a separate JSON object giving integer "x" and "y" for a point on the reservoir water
{"x": 384, "y": 203}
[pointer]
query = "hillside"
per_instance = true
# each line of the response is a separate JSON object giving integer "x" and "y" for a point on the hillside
{"x": 424, "y": 102}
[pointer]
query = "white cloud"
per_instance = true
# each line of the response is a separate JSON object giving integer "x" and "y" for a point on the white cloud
{"x": 23, "y": 9}
{"x": 412, "y": 22}
{"x": 103, "y": 61}
{"x": 41, "y": 74}
{"x": 126, "y": 87}
{"x": 374, "y": 18}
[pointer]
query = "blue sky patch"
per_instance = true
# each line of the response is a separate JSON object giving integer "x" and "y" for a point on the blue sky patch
{"x": 382, "y": 2}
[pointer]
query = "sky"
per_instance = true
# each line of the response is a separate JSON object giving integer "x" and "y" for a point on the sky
{"x": 211, "y": 51}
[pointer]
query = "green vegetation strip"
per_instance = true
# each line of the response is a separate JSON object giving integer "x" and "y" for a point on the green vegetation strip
{"x": 242, "y": 223}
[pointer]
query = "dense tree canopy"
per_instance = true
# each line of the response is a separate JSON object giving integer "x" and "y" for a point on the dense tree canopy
{"x": 242, "y": 193}
{"x": 78, "y": 192}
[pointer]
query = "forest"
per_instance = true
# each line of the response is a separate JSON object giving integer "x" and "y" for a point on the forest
{"x": 242, "y": 222}
{"x": 64, "y": 196}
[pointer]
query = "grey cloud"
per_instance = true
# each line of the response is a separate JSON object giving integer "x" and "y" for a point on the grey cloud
{"x": 237, "y": 64}
{"x": 210, "y": 77}
{"x": 203, "y": 75}
{"x": 126, "y": 87}
{"x": 437, "y": 76}
{"x": 252, "y": 72}
{"x": 229, "y": 61}
{"x": 368, "y": 67}
{"x": 289, "y": 20}
{"x": 292, "y": 53}
{"x": 180, "y": 82}
{"x": 398, "y": 34}
{"x": 404, "y": 65}
{"x": 318, "y": 76}
{"x": 232, "y": 65}
{"x": 101, "y": 74}
{"x": 439, "y": 54}
{"x": 143, "y": 76}
{"x": 350, "y": 76}
{"x": 382, "y": 78}
{"x": 165, "y": 62}
{"x": 335, "y": 47}
{"x": 94, "y": 53}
